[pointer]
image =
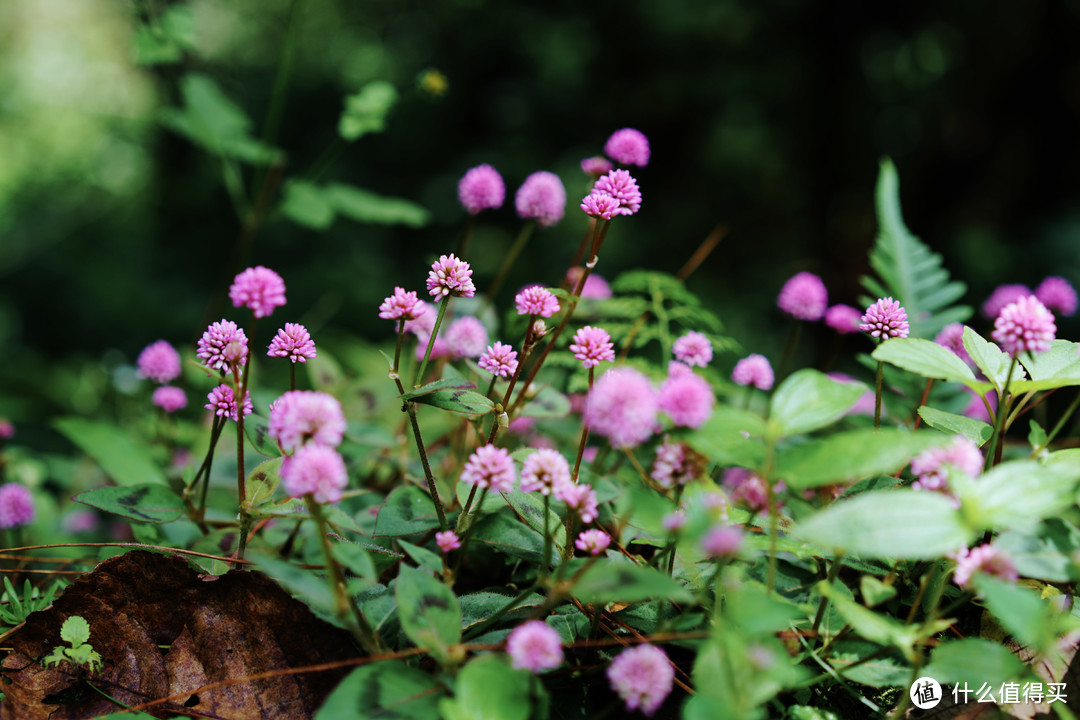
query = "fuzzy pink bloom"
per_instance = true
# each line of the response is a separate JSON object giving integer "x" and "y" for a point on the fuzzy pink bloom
{"x": 596, "y": 166}
{"x": 402, "y": 304}
{"x": 450, "y": 275}
{"x": 440, "y": 349}
{"x": 1003, "y": 295}
{"x": 885, "y": 319}
{"x": 7, "y": 429}
{"x": 259, "y": 289}
{"x": 622, "y": 407}
{"x": 541, "y": 197}
{"x": 804, "y": 297}
{"x": 1058, "y": 295}
{"x": 844, "y": 319}
{"x": 223, "y": 346}
{"x": 1024, "y": 326}
{"x": 578, "y": 498}
{"x": 169, "y": 398}
{"x": 300, "y": 417}
{"x": 951, "y": 337}
{"x": 16, "y": 505}
{"x": 747, "y": 487}
{"x": 536, "y": 300}
{"x": 490, "y": 467}
{"x": 544, "y": 471}
{"x": 722, "y": 541}
{"x": 534, "y": 646}
{"x": 985, "y": 559}
{"x": 315, "y": 469}
{"x": 481, "y": 188}
{"x": 466, "y": 337}
{"x": 596, "y": 287}
{"x": 673, "y": 521}
{"x": 643, "y": 677}
{"x": 620, "y": 185}
{"x": 687, "y": 399}
{"x": 222, "y": 401}
{"x": 499, "y": 359}
{"x": 675, "y": 464}
{"x": 447, "y": 540}
{"x": 294, "y": 342}
{"x": 600, "y": 205}
{"x": 693, "y": 348}
{"x": 628, "y": 147}
{"x": 159, "y": 362}
{"x": 79, "y": 521}
{"x": 593, "y": 542}
{"x": 754, "y": 370}
{"x": 932, "y": 467}
{"x": 592, "y": 345}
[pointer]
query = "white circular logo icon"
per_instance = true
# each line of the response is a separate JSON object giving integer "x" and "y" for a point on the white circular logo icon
{"x": 925, "y": 693}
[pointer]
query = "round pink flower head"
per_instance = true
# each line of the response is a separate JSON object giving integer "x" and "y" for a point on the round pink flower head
{"x": 694, "y": 349}
{"x": 159, "y": 362}
{"x": 578, "y": 498}
{"x": 450, "y": 275}
{"x": 481, "y": 188}
{"x": 541, "y": 197}
{"x": 600, "y": 205}
{"x": 844, "y": 319}
{"x": 722, "y": 541}
{"x": 536, "y": 300}
{"x": 315, "y": 469}
{"x": 984, "y": 559}
{"x": 223, "y": 346}
{"x": 592, "y": 345}
{"x": 534, "y": 646}
{"x": 16, "y": 505}
{"x": 259, "y": 289}
{"x": 642, "y": 676}
{"x": 7, "y": 429}
{"x": 754, "y": 370}
{"x": 747, "y": 487}
{"x": 544, "y": 471}
{"x": 222, "y": 400}
{"x": 499, "y": 360}
{"x": 466, "y": 337}
{"x": 596, "y": 166}
{"x": 1024, "y": 326}
{"x": 932, "y": 467}
{"x": 628, "y": 147}
{"x": 423, "y": 319}
{"x": 622, "y": 407}
{"x": 169, "y": 398}
{"x": 300, "y": 417}
{"x": 687, "y": 399}
{"x": 951, "y": 337}
{"x": 490, "y": 467}
{"x": 593, "y": 542}
{"x": 622, "y": 186}
{"x": 1058, "y": 295}
{"x": 596, "y": 287}
{"x": 675, "y": 464}
{"x": 294, "y": 342}
{"x": 401, "y": 304}
{"x": 1003, "y": 295}
{"x": 447, "y": 540}
{"x": 804, "y": 297}
{"x": 885, "y": 319}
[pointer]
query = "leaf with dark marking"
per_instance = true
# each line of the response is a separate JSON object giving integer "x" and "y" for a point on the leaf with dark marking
{"x": 142, "y": 503}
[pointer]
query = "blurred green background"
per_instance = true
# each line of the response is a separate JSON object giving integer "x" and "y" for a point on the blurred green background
{"x": 765, "y": 117}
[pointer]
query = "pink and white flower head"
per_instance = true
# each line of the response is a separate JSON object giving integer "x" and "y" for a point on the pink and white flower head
{"x": 580, "y": 499}
{"x": 622, "y": 186}
{"x": 1024, "y": 326}
{"x": 301, "y": 417}
{"x": 747, "y": 487}
{"x": 536, "y": 300}
{"x": 951, "y": 337}
{"x": 222, "y": 401}
{"x": 159, "y": 362}
{"x": 534, "y": 646}
{"x": 1003, "y": 295}
{"x": 642, "y": 676}
{"x": 169, "y": 398}
{"x": 754, "y": 370}
{"x": 447, "y": 540}
{"x": 675, "y": 464}
{"x": 592, "y": 345}
{"x": 596, "y": 287}
{"x": 932, "y": 467}
{"x": 544, "y": 471}
{"x": 600, "y": 205}
{"x": 844, "y": 319}
{"x": 16, "y": 505}
{"x": 596, "y": 166}
{"x": 499, "y": 360}
{"x": 694, "y": 349}
{"x": 985, "y": 559}
{"x": 259, "y": 289}
{"x": 223, "y": 346}
{"x": 593, "y": 542}
{"x": 466, "y": 337}
{"x": 687, "y": 399}
{"x": 317, "y": 470}
{"x": 481, "y": 188}
{"x": 294, "y": 342}
{"x": 622, "y": 406}
{"x": 490, "y": 467}
{"x": 541, "y": 197}
{"x": 885, "y": 319}
{"x": 628, "y": 147}
{"x": 402, "y": 304}
{"x": 450, "y": 275}
{"x": 722, "y": 541}
{"x": 1058, "y": 295}
{"x": 804, "y": 297}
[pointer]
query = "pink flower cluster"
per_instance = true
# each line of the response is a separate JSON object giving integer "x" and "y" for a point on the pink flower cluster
{"x": 1056, "y": 293}
{"x": 259, "y": 289}
{"x": 534, "y": 646}
{"x": 983, "y": 559}
{"x": 628, "y": 147}
{"x": 804, "y": 297}
{"x": 447, "y": 540}
{"x": 545, "y": 471}
{"x": 722, "y": 541}
{"x": 685, "y": 397}
{"x": 675, "y": 464}
{"x": 499, "y": 360}
{"x": 592, "y": 345}
{"x": 593, "y": 542}
{"x": 541, "y": 197}
{"x": 932, "y": 467}
{"x": 450, "y": 275}
{"x": 294, "y": 342}
{"x": 222, "y": 401}
{"x": 578, "y": 498}
{"x": 481, "y": 188}
{"x": 536, "y": 300}
{"x": 844, "y": 319}
{"x": 490, "y": 467}
{"x": 159, "y": 362}
{"x": 309, "y": 425}
{"x": 622, "y": 406}
{"x": 885, "y": 319}
{"x": 466, "y": 337}
{"x": 316, "y": 470}
{"x": 169, "y": 398}
{"x": 1024, "y": 326}
{"x": 223, "y": 346}
{"x": 402, "y": 304}
{"x": 754, "y": 370}
{"x": 694, "y": 349}
{"x": 16, "y": 505}
{"x": 643, "y": 677}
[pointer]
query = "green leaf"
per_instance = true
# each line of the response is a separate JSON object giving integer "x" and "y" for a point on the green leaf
{"x": 627, "y": 583}
{"x": 1048, "y": 554}
{"x": 125, "y": 461}
{"x": 851, "y": 456}
{"x": 461, "y": 402}
{"x": 899, "y": 524}
{"x": 428, "y": 611}
{"x": 990, "y": 359}
{"x": 758, "y": 612}
{"x": 367, "y": 207}
{"x": 877, "y": 627}
{"x": 355, "y": 559}
{"x": 479, "y": 606}
{"x": 388, "y": 690}
{"x": 974, "y": 661}
{"x": 489, "y": 689}
{"x": 262, "y": 482}
{"x": 924, "y": 358}
{"x": 302, "y": 584}
{"x": 548, "y": 403}
{"x": 1030, "y": 618}
{"x": 257, "y": 432}
{"x": 407, "y": 510}
{"x": 808, "y": 400}
{"x": 1057, "y": 367}
{"x": 305, "y": 204}
{"x": 805, "y": 712}
{"x": 529, "y": 507}
{"x": 142, "y": 503}
{"x": 75, "y": 630}
{"x": 1018, "y": 494}
{"x": 452, "y": 383}
{"x": 423, "y": 557}
{"x": 366, "y": 111}
{"x": 849, "y": 660}
{"x": 874, "y": 591}
{"x": 974, "y": 430}
{"x": 509, "y": 535}
{"x": 166, "y": 38}
{"x": 730, "y": 437}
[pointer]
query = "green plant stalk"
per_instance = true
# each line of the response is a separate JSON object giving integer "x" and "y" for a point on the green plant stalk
{"x": 584, "y": 434}
{"x": 1060, "y": 424}
{"x": 526, "y": 349}
{"x": 823, "y": 604}
{"x": 546, "y": 561}
{"x": 509, "y": 259}
{"x": 432, "y": 489}
{"x": 878, "y": 382}
{"x": 241, "y": 476}
{"x": 774, "y": 514}
{"x": 431, "y": 341}
{"x": 788, "y": 354}
{"x": 670, "y": 548}
{"x": 993, "y": 452}
{"x": 466, "y": 236}
{"x": 216, "y": 426}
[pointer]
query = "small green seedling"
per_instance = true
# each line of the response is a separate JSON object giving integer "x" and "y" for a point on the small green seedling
{"x": 75, "y": 632}
{"x": 15, "y": 608}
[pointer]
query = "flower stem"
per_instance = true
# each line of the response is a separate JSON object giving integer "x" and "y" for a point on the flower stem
{"x": 993, "y": 455}
{"x": 509, "y": 258}
{"x": 431, "y": 341}
{"x": 1060, "y": 424}
{"x": 432, "y": 489}
{"x": 546, "y": 557}
{"x": 878, "y": 381}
